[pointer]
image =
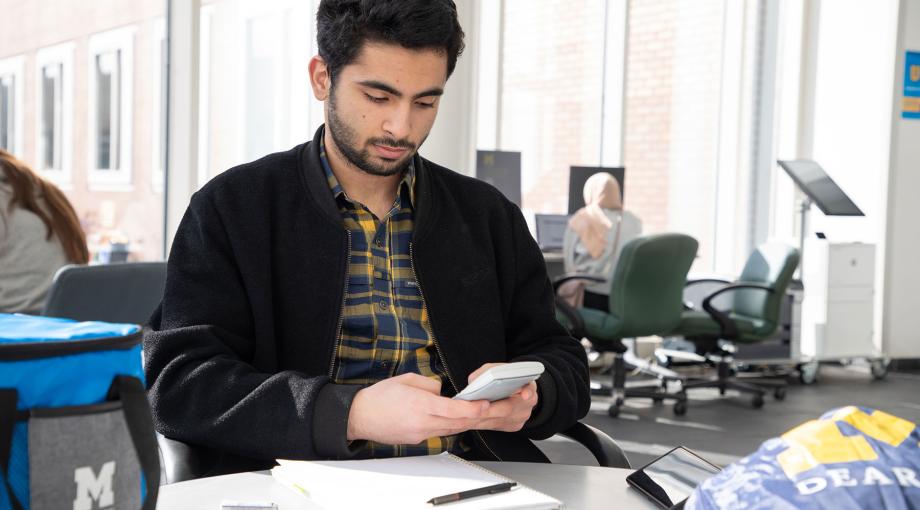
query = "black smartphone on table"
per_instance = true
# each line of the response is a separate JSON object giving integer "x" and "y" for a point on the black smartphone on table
{"x": 670, "y": 479}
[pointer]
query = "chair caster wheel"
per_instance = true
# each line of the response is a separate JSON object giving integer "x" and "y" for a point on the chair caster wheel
{"x": 618, "y": 402}
{"x": 613, "y": 411}
{"x": 757, "y": 401}
{"x": 779, "y": 393}
{"x": 879, "y": 369}
{"x": 680, "y": 408}
{"x": 808, "y": 372}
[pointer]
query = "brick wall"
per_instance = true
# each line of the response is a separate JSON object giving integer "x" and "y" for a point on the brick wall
{"x": 551, "y": 105}
{"x": 551, "y": 93}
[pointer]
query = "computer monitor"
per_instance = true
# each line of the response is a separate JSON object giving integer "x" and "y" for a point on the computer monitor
{"x": 823, "y": 191}
{"x": 578, "y": 176}
{"x": 501, "y": 169}
{"x": 551, "y": 230}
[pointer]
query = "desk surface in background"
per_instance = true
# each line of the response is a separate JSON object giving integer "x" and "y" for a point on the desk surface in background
{"x": 579, "y": 487}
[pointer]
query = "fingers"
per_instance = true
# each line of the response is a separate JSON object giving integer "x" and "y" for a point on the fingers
{"x": 448, "y": 427}
{"x": 448, "y": 408}
{"x": 428, "y": 384}
{"x": 528, "y": 391}
{"x": 510, "y": 414}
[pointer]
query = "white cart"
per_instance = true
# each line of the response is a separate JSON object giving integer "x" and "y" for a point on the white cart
{"x": 837, "y": 312}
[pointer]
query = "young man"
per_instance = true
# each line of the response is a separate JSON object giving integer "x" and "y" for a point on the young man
{"x": 326, "y": 302}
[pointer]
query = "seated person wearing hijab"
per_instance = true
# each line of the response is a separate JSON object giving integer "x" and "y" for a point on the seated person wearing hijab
{"x": 595, "y": 235}
{"x": 39, "y": 233}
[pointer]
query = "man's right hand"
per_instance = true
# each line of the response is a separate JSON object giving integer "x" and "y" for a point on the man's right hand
{"x": 409, "y": 409}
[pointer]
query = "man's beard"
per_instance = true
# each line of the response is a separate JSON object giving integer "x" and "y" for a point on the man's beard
{"x": 346, "y": 140}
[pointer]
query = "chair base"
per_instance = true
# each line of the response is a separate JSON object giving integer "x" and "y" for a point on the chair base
{"x": 619, "y": 392}
{"x": 754, "y": 386}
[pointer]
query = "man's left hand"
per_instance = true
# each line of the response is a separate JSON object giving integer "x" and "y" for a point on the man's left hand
{"x": 509, "y": 414}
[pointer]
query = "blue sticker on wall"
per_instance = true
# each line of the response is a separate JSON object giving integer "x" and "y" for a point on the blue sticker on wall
{"x": 911, "y": 106}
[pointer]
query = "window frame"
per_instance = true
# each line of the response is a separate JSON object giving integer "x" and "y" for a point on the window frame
{"x": 63, "y": 55}
{"x": 120, "y": 40}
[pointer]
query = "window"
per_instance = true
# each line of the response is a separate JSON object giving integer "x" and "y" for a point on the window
{"x": 552, "y": 116}
{"x": 7, "y": 91}
{"x": 82, "y": 112}
{"x": 10, "y": 104}
{"x": 661, "y": 87}
{"x": 55, "y": 112}
{"x": 159, "y": 98}
{"x": 51, "y": 116}
{"x": 255, "y": 96}
{"x": 110, "y": 114}
{"x": 108, "y": 107}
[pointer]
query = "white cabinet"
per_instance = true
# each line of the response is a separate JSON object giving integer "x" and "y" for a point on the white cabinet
{"x": 838, "y": 305}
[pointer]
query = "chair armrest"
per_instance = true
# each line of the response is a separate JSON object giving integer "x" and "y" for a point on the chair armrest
{"x": 728, "y": 327}
{"x": 571, "y": 313}
{"x": 696, "y": 281}
{"x": 688, "y": 305}
{"x": 576, "y": 276}
{"x": 607, "y": 452}
{"x": 179, "y": 461}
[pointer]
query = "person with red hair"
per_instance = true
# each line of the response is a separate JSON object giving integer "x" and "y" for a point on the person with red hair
{"x": 39, "y": 233}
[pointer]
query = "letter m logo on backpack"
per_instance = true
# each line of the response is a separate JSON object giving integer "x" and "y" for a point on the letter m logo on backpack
{"x": 94, "y": 489}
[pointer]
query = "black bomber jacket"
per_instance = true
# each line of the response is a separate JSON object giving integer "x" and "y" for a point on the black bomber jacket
{"x": 240, "y": 352}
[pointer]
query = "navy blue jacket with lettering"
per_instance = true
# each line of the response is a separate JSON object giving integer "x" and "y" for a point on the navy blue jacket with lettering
{"x": 240, "y": 351}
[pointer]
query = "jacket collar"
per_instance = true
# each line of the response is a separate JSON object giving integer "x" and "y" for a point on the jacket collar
{"x": 318, "y": 188}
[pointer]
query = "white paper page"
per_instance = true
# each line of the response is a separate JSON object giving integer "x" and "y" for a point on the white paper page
{"x": 402, "y": 483}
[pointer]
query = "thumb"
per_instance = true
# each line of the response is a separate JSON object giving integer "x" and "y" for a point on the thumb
{"x": 479, "y": 371}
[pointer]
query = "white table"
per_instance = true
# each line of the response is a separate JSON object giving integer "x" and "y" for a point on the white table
{"x": 579, "y": 487}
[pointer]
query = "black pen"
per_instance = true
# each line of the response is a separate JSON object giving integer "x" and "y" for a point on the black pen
{"x": 482, "y": 491}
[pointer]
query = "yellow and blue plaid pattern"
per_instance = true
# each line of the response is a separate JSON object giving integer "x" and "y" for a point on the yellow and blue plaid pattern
{"x": 385, "y": 330}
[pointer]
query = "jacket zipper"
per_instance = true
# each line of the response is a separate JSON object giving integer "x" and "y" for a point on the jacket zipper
{"x": 437, "y": 346}
{"x": 24, "y": 351}
{"x": 338, "y": 333}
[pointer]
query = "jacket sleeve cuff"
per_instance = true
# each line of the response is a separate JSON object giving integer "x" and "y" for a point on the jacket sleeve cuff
{"x": 330, "y": 421}
{"x": 546, "y": 403}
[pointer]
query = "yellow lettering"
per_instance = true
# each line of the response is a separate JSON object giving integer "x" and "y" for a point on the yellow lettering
{"x": 879, "y": 426}
{"x": 915, "y": 73}
{"x": 820, "y": 442}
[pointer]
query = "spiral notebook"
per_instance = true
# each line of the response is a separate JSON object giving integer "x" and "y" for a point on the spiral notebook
{"x": 403, "y": 483}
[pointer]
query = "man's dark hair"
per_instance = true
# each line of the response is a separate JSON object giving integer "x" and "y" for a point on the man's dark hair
{"x": 343, "y": 26}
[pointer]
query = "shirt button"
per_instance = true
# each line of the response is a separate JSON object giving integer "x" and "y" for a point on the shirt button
{"x": 383, "y": 304}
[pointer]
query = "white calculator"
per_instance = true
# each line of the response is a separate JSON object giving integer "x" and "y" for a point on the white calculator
{"x": 501, "y": 381}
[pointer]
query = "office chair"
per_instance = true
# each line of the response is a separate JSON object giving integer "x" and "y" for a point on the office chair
{"x": 180, "y": 461}
{"x": 646, "y": 298}
{"x": 124, "y": 292}
{"x": 753, "y": 316}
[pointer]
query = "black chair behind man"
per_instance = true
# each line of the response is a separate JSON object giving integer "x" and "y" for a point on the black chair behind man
{"x": 124, "y": 292}
{"x": 181, "y": 461}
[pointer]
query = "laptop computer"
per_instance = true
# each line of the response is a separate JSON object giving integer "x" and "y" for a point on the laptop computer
{"x": 551, "y": 231}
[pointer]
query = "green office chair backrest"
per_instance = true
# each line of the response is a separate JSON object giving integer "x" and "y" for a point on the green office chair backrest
{"x": 646, "y": 293}
{"x": 771, "y": 265}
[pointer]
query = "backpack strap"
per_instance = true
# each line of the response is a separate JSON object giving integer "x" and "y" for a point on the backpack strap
{"x": 7, "y": 421}
{"x": 133, "y": 396}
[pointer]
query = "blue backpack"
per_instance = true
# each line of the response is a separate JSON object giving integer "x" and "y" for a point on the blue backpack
{"x": 75, "y": 425}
